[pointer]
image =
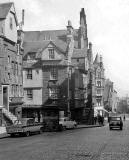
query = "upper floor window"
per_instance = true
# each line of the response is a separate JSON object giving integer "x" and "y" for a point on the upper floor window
{"x": 98, "y": 102}
{"x": 29, "y": 74}
{"x": 18, "y": 49}
{"x": 53, "y": 74}
{"x": 31, "y": 56}
{"x": 11, "y": 23}
{"x": 77, "y": 59}
{"x": 8, "y": 58}
{"x": 99, "y": 74}
{"x": 98, "y": 83}
{"x": 13, "y": 67}
{"x": 29, "y": 93}
{"x": 98, "y": 91}
{"x": 53, "y": 93}
{"x": 51, "y": 53}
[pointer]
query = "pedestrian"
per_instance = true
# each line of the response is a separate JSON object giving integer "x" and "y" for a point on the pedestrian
{"x": 124, "y": 117}
{"x": 95, "y": 120}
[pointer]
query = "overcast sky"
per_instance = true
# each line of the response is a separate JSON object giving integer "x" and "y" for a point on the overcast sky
{"x": 108, "y": 29}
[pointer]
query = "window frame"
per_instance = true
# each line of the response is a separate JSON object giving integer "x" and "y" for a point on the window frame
{"x": 29, "y": 74}
{"x": 29, "y": 93}
{"x": 51, "y": 53}
{"x": 53, "y": 73}
{"x": 53, "y": 93}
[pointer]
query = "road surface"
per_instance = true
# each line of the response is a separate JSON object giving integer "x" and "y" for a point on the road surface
{"x": 78, "y": 144}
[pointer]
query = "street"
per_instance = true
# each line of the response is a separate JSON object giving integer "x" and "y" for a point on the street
{"x": 79, "y": 144}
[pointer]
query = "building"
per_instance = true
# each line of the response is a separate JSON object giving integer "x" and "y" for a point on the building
{"x": 110, "y": 96}
{"x": 99, "y": 84}
{"x": 11, "y": 90}
{"x": 56, "y": 66}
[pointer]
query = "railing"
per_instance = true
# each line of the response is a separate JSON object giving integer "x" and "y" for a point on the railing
{"x": 9, "y": 115}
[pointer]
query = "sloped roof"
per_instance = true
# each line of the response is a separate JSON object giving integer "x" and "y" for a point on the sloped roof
{"x": 79, "y": 53}
{"x": 4, "y": 9}
{"x": 36, "y": 64}
{"x": 34, "y": 40}
{"x": 97, "y": 59}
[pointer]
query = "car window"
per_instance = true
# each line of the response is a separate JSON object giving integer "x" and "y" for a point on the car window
{"x": 30, "y": 122}
{"x": 116, "y": 118}
{"x": 17, "y": 122}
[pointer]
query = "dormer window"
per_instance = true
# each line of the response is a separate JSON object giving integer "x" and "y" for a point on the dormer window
{"x": 11, "y": 23}
{"x": 31, "y": 56}
{"x": 51, "y": 53}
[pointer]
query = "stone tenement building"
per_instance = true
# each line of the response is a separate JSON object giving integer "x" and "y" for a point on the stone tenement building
{"x": 11, "y": 90}
{"x": 99, "y": 84}
{"x": 56, "y": 67}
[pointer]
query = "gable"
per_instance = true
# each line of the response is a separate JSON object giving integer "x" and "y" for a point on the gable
{"x": 51, "y": 50}
{"x": 10, "y": 27}
{"x": 4, "y": 9}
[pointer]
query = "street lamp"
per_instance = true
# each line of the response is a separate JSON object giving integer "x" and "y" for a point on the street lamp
{"x": 68, "y": 97}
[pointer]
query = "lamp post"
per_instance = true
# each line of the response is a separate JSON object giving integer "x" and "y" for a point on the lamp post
{"x": 68, "y": 93}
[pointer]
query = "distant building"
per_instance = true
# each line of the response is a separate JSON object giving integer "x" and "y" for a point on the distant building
{"x": 56, "y": 72}
{"x": 11, "y": 89}
{"x": 110, "y": 96}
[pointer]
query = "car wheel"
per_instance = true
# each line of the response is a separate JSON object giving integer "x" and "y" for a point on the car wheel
{"x": 64, "y": 128}
{"x": 121, "y": 128}
{"x": 12, "y": 135}
{"x": 41, "y": 130}
{"x": 27, "y": 134}
{"x": 75, "y": 126}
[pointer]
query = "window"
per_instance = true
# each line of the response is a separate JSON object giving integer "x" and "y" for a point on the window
{"x": 53, "y": 74}
{"x": 11, "y": 23}
{"x": 99, "y": 91}
{"x": 29, "y": 74}
{"x": 9, "y": 77}
{"x": 77, "y": 59}
{"x": 31, "y": 56}
{"x": 21, "y": 90}
{"x": 13, "y": 67}
{"x": 51, "y": 53}
{"x": 8, "y": 59}
{"x": 99, "y": 74}
{"x": 29, "y": 93}
{"x": 98, "y": 83}
{"x": 18, "y": 49}
{"x": 53, "y": 93}
{"x": 98, "y": 102}
{"x": 16, "y": 68}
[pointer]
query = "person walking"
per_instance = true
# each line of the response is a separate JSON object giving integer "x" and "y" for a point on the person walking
{"x": 124, "y": 117}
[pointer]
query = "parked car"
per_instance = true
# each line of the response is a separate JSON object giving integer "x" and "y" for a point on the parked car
{"x": 26, "y": 127}
{"x": 65, "y": 123}
{"x": 115, "y": 122}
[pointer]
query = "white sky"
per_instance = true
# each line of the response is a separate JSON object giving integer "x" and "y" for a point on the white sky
{"x": 108, "y": 29}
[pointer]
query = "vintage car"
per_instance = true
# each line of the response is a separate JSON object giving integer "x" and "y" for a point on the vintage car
{"x": 115, "y": 122}
{"x": 66, "y": 123}
{"x": 26, "y": 127}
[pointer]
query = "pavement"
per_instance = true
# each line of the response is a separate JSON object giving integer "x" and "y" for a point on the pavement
{"x": 3, "y": 133}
